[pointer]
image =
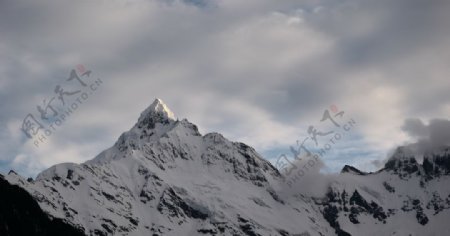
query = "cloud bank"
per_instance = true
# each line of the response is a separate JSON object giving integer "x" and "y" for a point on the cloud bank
{"x": 258, "y": 71}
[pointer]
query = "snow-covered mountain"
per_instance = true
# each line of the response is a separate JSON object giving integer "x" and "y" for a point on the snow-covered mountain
{"x": 403, "y": 198}
{"x": 162, "y": 177}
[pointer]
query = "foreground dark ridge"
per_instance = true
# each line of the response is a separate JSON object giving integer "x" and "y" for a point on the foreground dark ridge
{"x": 20, "y": 214}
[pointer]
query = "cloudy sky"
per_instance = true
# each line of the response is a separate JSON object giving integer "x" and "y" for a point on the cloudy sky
{"x": 258, "y": 71}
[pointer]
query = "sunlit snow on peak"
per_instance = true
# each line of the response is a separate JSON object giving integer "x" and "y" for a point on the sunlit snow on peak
{"x": 158, "y": 106}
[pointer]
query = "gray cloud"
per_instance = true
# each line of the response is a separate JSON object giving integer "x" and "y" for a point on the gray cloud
{"x": 429, "y": 136}
{"x": 258, "y": 71}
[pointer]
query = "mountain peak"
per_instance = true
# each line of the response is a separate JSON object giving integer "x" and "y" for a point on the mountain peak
{"x": 352, "y": 170}
{"x": 159, "y": 106}
{"x": 157, "y": 112}
{"x": 403, "y": 152}
{"x": 403, "y": 162}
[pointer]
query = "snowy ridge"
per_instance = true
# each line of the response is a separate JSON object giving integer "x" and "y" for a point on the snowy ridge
{"x": 162, "y": 177}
